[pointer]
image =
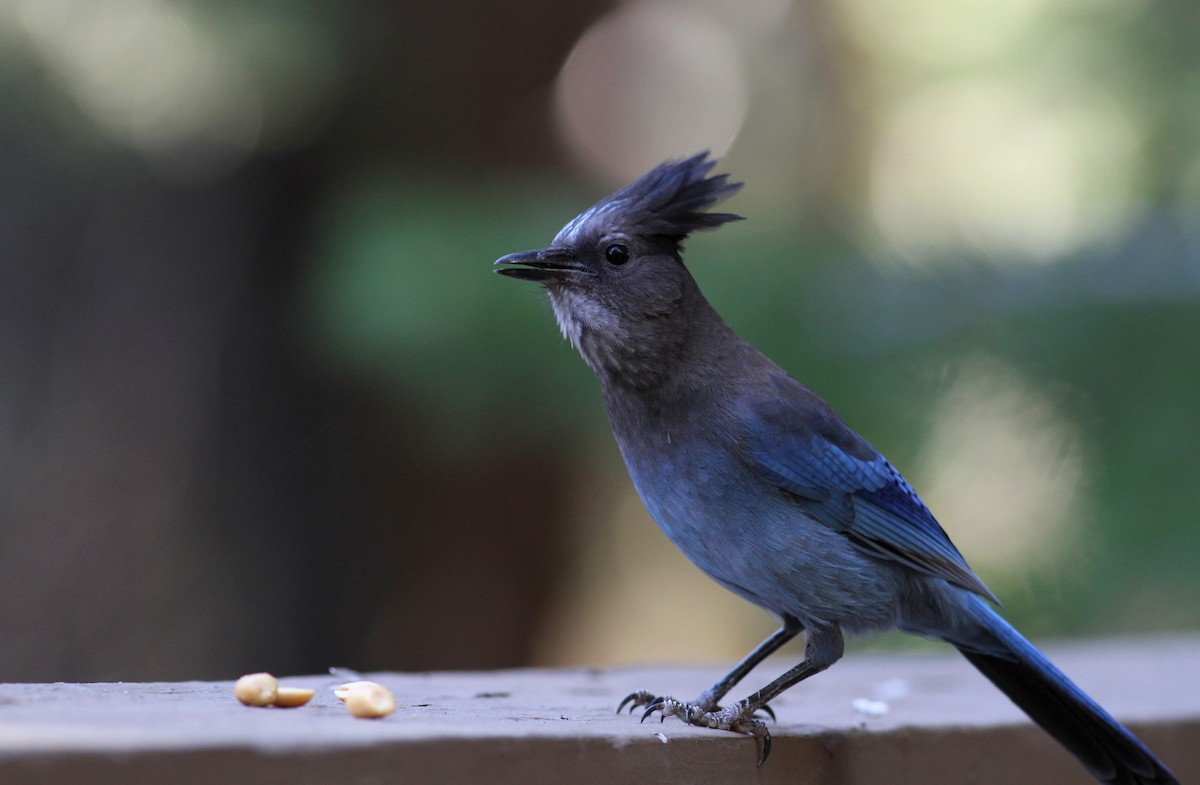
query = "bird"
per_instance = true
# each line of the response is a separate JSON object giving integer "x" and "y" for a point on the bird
{"x": 764, "y": 487}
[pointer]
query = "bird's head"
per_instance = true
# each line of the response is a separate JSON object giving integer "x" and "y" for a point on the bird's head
{"x": 614, "y": 273}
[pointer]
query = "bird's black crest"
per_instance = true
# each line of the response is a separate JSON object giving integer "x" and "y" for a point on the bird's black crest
{"x": 671, "y": 200}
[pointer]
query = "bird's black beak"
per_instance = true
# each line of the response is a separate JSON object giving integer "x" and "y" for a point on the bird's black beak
{"x": 542, "y": 266}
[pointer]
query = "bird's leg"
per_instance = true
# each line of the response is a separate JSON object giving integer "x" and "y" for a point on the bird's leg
{"x": 822, "y": 648}
{"x": 710, "y": 699}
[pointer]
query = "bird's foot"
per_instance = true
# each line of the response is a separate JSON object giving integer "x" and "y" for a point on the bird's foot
{"x": 636, "y": 700}
{"x": 738, "y": 717}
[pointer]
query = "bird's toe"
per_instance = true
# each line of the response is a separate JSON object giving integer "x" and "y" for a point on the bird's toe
{"x": 635, "y": 700}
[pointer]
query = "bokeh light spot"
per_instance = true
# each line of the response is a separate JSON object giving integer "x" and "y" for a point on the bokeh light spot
{"x": 985, "y": 165}
{"x": 1002, "y": 470}
{"x": 940, "y": 32}
{"x": 650, "y": 81}
{"x": 195, "y": 95}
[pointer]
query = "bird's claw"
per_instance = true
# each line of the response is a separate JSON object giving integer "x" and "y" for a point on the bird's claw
{"x": 636, "y": 699}
{"x": 657, "y": 705}
{"x": 738, "y": 718}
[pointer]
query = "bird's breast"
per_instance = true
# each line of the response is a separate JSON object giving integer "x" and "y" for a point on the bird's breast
{"x": 748, "y": 535}
{"x": 692, "y": 488}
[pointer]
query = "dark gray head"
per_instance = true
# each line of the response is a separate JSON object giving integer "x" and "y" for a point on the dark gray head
{"x": 614, "y": 273}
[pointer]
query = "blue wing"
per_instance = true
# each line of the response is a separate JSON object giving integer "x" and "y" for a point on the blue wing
{"x": 796, "y": 442}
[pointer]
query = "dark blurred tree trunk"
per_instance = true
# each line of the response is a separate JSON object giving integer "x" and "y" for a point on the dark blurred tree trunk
{"x": 181, "y": 494}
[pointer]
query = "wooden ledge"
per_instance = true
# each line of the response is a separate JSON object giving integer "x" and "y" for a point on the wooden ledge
{"x": 873, "y": 718}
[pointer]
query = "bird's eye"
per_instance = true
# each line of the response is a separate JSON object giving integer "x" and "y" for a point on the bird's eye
{"x": 616, "y": 254}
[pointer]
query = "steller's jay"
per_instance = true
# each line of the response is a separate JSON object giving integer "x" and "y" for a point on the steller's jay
{"x": 763, "y": 487}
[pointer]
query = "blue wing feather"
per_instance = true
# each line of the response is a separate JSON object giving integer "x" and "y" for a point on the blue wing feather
{"x": 841, "y": 481}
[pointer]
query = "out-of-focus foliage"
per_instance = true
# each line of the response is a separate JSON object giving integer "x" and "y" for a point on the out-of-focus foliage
{"x": 402, "y": 291}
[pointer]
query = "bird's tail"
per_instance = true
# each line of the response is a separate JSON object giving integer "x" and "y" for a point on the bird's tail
{"x": 1110, "y": 752}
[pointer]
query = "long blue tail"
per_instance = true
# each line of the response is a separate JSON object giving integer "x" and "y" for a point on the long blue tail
{"x": 1110, "y": 752}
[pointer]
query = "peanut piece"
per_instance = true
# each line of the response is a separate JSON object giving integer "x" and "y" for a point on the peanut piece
{"x": 291, "y": 697}
{"x": 256, "y": 689}
{"x": 341, "y": 692}
{"x": 370, "y": 700}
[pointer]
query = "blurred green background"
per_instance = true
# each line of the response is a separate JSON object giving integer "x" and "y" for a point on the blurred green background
{"x": 264, "y": 405}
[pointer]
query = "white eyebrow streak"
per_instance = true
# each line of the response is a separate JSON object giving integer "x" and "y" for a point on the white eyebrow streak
{"x": 570, "y": 233}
